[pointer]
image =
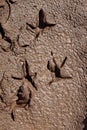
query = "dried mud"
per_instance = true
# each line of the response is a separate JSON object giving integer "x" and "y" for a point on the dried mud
{"x": 62, "y": 105}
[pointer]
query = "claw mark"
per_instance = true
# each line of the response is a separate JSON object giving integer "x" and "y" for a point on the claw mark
{"x": 6, "y": 38}
{"x": 12, "y": 116}
{"x": 31, "y": 26}
{"x": 2, "y": 31}
{"x": 17, "y": 78}
{"x": 41, "y": 25}
{"x": 54, "y": 68}
{"x": 11, "y": 1}
{"x": 63, "y": 62}
{"x": 2, "y": 6}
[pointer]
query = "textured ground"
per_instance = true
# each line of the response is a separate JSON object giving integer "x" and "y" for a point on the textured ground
{"x": 62, "y": 105}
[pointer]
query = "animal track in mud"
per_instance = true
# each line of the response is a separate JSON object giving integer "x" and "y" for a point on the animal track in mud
{"x": 13, "y": 43}
{"x": 7, "y": 39}
{"x": 26, "y": 90}
{"x": 56, "y": 70}
{"x": 24, "y": 96}
{"x": 27, "y": 74}
{"x": 42, "y": 24}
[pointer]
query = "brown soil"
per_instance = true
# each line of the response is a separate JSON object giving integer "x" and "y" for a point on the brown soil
{"x": 61, "y": 105}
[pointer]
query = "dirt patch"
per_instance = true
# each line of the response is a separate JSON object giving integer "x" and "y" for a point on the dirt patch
{"x": 62, "y": 104}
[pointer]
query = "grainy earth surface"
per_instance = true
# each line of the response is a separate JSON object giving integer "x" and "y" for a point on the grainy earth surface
{"x": 61, "y": 105}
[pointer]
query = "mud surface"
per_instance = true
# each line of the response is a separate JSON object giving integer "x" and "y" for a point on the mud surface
{"x": 61, "y": 105}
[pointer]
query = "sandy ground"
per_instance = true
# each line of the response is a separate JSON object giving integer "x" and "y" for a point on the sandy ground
{"x": 61, "y": 105}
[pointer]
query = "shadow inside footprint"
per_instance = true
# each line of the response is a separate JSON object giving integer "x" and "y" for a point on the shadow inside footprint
{"x": 85, "y": 123}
